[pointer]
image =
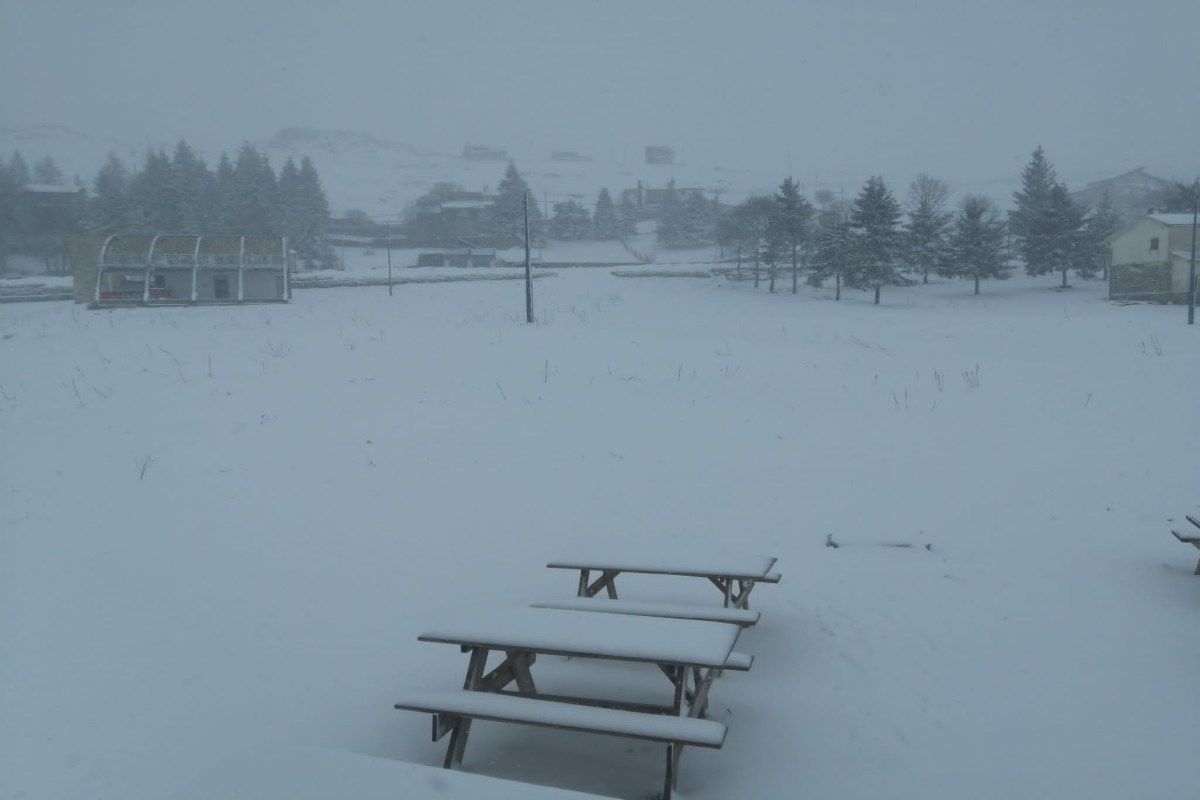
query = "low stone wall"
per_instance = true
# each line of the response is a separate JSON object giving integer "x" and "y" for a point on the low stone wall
{"x": 1141, "y": 282}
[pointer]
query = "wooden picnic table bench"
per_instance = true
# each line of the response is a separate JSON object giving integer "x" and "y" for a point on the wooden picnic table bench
{"x": 1191, "y": 538}
{"x": 735, "y": 616}
{"x": 691, "y": 653}
{"x": 312, "y": 774}
{"x": 746, "y": 571}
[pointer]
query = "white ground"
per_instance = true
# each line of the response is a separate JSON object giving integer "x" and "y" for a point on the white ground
{"x": 330, "y": 476}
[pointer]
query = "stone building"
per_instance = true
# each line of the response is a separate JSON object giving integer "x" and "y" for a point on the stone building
{"x": 1151, "y": 258}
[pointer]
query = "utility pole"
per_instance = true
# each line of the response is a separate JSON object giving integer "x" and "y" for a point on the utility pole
{"x": 387, "y": 234}
{"x": 528, "y": 274}
{"x": 1192, "y": 269}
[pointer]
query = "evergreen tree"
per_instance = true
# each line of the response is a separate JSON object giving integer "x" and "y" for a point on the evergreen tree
{"x": 925, "y": 233}
{"x": 669, "y": 230}
{"x": 833, "y": 254}
{"x": 570, "y": 221}
{"x": 1179, "y": 198}
{"x": 876, "y": 217}
{"x": 47, "y": 172}
{"x": 314, "y": 219}
{"x": 627, "y": 218}
{"x": 109, "y": 207}
{"x": 976, "y": 247}
{"x": 605, "y": 223}
{"x": 697, "y": 221}
{"x": 257, "y": 208}
{"x": 150, "y": 200}
{"x": 1100, "y": 224}
{"x": 224, "y": 208}
{"x": 756, "y": 213}
{"x": 508, "y": 212}
{"x": 794, "y": 224}
{"x": 290, "y": 202}
{"x": 1032, "y": 222}
{"x": 18, "y": 170}
{"x": 1067, "y": 248}
{"x": 190, "y": 190}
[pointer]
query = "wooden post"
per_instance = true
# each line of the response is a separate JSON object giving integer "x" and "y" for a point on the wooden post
{"x": 387, "y": 234}
{"x": 1192, "y": 270}
{"x": 528, "y": 273}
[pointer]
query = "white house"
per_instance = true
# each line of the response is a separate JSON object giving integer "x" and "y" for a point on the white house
{"x": 1151, "y": 258}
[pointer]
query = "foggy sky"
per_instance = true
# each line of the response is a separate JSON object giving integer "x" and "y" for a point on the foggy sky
{"x": 961, "y": 89}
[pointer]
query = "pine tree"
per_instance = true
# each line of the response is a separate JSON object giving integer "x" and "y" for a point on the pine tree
{"x": 876, "y": 217}
{"x": 605, "y": 224}
{"x": 18, "y": 170}
{"x": 508, "y": 212}
{"x": 224, "y": 208}
{"x": 1031, "y": 222}
{"x": 314, "y": 219}
{"x": 756, "y": 213}
{"x": 190, "y": 190}
{"x": 257, "y": 208}
{"x": 291, "y": 202}
{"x": 925, "y": 233}
{"x": 627, "y": 218}
{"x": 794, "y": 224}
{"x": 570, "y": 221}
{"x": 669, "y": 230}
{"x": 833, "y": 254}
{"x": 1067, "y": 248}
{"x": 108, "y": 208}
{"x": 150, "y": 203}
{"x": 47, "y": 172}
{"x": 1100, "y": 224}
{"x": 976, "y": 247}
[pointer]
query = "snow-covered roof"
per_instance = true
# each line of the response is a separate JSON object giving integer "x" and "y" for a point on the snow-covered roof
{"x": 1172, "y": 219}
{"x": 466, "y": 204}
{"x": 1186, "y": 255}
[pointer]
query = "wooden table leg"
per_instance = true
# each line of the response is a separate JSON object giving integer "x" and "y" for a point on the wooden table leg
{"x": 462, "y": 729}
{"x": 583, "y": 583}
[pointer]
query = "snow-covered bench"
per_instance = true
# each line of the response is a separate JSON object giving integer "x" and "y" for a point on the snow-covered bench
{"x": 736, "y": 616}
{"x": 312, "y": 774}
{"x": 746, "y": 571}
{"x": 691, "y": 653}
{"x": 1191, "y": 538}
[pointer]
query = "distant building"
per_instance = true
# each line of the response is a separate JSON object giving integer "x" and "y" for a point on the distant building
{"x": 480, "y": 152}
{"x": 567, "y": 155}
{"x": 458, "y": 258}
{"x": 452, "y": 218}
{"x": 649, "y": 201}
{"x": 359, "y": 230}
{"x": 1131, "y": 193}
{"x": 1151, "y": 259}
{"x": 181, "y": 269}
{"x": 659, "y": 154}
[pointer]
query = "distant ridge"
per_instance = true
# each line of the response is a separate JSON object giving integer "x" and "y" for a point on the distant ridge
{"x": 333, "y": 142}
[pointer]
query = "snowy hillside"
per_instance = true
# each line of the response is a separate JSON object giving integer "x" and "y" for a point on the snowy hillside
{"x": 224, "y": 528}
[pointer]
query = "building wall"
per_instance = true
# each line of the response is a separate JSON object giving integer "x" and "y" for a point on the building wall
{"x": 1132, "y": 245}
{"x": 1181, "y": 237}
{"x": 1180, "y": 267}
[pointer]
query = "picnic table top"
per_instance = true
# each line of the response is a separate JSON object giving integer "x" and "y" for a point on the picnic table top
{"x": 605, "y": 605}
{"x": 742, "y": 566}
{"x": 655, "y": 640}
{"x": 313, "y": 774}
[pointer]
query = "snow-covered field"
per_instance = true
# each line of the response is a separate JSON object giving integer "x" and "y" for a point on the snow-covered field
{"x": 1007, "y": 615}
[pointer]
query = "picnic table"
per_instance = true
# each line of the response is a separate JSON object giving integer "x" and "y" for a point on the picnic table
{"x": 746, "y": 571}
{"x": 690, "y": 653}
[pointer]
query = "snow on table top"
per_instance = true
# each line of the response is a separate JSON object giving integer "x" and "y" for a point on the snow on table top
{"x": 582, "y": 633}
{"x": 488, "y": 705}
{"x": 736, "y": 616}
{"x": 311, "y": 774}
{"x": 730, "y": 566}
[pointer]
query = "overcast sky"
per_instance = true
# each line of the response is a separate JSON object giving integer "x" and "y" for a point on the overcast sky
{"x": 962, "y": 89}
